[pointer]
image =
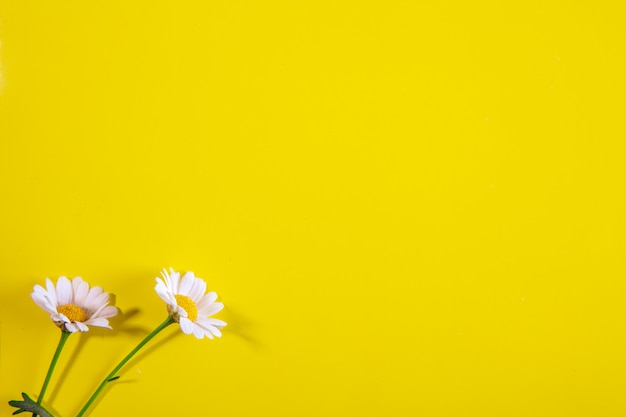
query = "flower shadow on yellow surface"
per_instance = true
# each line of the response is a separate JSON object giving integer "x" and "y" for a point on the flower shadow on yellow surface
{"x": 242, "y": 327}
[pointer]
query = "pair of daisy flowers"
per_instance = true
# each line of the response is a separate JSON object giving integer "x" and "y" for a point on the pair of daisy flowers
{"x": 74, "y": 306}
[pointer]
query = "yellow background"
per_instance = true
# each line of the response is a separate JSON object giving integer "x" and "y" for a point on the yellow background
{"x": 407, "y": 209}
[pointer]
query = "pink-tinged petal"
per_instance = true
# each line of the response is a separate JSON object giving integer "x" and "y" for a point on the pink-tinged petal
{"x": 98, "y": 302}
{"x": 81, "y": 289}
{"x": 62, "y": 317}
{"x": 107, "y": 312}
{"x": 210, "y": 309}
{"x": 41, "y": 294}
{"x": 64, "y": 291}
{"x": 75, "y": 283}
{"x": 185, "y": 325}
{"x": 43, "y": 302}
{"x": 81, "y": 326}
{"x": 96, "y": 312}
{"x": 92, "y": 295}
{"x": 186, "y": 284}
{"x": 58, "y": 318}
{"x": 71, "y": 327}
{"x": 98, "y": 322}
{"x": 52, "y": 293}
{"x": 104, "y": 311}
{"x": 39, "y": 289}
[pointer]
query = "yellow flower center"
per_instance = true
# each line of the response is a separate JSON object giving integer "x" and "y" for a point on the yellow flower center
{"x": 188, "y": 305}
{"x": 73, "y": 313}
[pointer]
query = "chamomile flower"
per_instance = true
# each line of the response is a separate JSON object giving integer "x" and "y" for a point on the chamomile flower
{"x": 73, "y": 306}
{"x": 188, "y": 304}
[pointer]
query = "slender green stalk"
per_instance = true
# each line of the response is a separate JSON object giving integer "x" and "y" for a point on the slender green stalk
{"x": 113, "y": 375}
{"x": 64, "y": 336}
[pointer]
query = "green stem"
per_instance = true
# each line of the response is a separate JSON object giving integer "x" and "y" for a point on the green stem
{"x": 64, "y": 336}
{"x": 113, "y": 375}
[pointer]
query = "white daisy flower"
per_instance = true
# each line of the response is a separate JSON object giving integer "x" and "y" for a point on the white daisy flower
{"x": 188, "y": 304}
{"x": 73, "y": 306}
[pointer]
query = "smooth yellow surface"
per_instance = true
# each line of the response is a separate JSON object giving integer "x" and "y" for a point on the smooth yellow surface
{"x": 407, "y": 209}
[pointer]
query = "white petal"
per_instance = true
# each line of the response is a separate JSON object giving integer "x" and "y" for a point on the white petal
{"x": 52, "y": 293}
{"x": 208, "y": 333}
{"x": 43, "y": 302}
{"x": 164, "y": 293}
{"x": 161, "y": 282}
{"x": 92, "y": 295}
{"x": 64, "y": 291}
{"x": 205, "y": 329}
{"x": 207, "y": 300}
{"x": 174, "y": 278}
{"x": 215, "y": 322}
{"x": 186, "y": 284}
{"x": 59, "y": 318}
{"x": 106, "y": 312}
{"x": 203, "y": 321}
{"x": 185, "y": 325}
{"x": 39, "y": 289}
{"x": 197, "y": 290}
{"x": 208, "y": 327}
{"x": 75, "y": 283}
{"x": 210, "y": 309}
{"x": 98, "y": 322}
{"x": 71, "y": 327}
{"x": 166, "y": 279}
{"x": 81, "y": 289}
{"x": 212, "y": 296}
{"x": 98, "y": 302}
{"x": 81, "y": 326}
{"x": 197, "y": 331}
{"x": 180, "y": 311}
{"x": 62, "y": 317}
{"x": 42, "y": 298}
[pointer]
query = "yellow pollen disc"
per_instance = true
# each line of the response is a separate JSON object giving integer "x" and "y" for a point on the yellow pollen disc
{"x": 73, "y": 313}
{"x": 188, "y": 305}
